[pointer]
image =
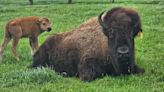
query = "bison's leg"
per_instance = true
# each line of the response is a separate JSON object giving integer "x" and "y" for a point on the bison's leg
{"x": 34, "y": 44}
{"x": 4, "y": 45}
{"x": 138, "y": 70}
{"x": 14, "y": 47}
{"x": 89, "y": 69}
{"x": 40, "y": 58}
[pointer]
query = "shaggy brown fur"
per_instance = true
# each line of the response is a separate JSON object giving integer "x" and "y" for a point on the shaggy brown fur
{"x": 29, "y": 27}
{"x": 86, "y": 52}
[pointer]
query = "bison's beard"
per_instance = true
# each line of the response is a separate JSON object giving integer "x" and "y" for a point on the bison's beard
{"x": 125, "y": 65}
{"x": 121, "y": 65}
{"x": 115, "y": 64}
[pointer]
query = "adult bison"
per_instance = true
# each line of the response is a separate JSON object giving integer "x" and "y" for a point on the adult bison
{"x": 98, "y": 47}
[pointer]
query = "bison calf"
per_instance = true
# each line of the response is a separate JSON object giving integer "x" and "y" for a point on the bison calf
{"x": 100, "y": 46}
{"x": 29, "y": 27}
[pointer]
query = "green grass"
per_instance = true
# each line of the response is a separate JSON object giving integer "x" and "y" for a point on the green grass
{"x": 15, "y": 77}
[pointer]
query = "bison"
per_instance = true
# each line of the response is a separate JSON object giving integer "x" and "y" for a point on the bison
{"x": 31, "y": 27}
{"x": 101, "y": 46}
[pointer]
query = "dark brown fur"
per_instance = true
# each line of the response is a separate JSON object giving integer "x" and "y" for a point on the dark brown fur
{"x": 84, "y": 52}
{"x": 30, "y": 27}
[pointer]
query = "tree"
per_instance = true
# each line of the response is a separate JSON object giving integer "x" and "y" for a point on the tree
{"x": 112, "y": 1}
{"x": 69, "y": 1}
{"x": 31, "y": 2}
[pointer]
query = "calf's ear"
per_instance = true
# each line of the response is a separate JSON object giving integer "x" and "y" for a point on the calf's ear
{"x": 39, "y": 20}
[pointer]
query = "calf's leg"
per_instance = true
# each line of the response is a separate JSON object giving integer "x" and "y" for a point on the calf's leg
{"x": 33, "y": 44}
{"x": 4, "y": 45}
{"x": 14, "y": 47}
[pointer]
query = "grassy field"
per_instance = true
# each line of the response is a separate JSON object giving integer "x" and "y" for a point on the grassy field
{"x": 15, "y": 77}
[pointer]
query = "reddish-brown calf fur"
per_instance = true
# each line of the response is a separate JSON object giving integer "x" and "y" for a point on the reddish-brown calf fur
{"x": 29, "y": 27}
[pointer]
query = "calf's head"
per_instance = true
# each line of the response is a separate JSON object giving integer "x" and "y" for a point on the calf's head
{"x": 121, "y": 25}
{"x": 45, "y": 24}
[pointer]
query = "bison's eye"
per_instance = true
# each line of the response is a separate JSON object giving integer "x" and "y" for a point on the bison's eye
{"x": 111, "y": 33}
{"x": 44, "y": 24}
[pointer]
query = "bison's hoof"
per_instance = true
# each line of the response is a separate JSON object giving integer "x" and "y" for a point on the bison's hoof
{"x": 142, "y": 70}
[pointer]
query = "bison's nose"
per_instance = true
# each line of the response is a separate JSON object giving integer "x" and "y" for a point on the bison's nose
{"x": 49, "y": 29}
{"x": 123, "y": 50}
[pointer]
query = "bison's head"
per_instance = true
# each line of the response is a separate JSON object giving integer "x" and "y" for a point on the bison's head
{"x": 45, "y": 24}
{"x": 121, "y": 25}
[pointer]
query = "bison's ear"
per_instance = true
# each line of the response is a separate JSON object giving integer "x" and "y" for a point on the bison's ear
{"x": 137, "y": 30}
{"x": 140, "y": 34}
{"x": 136, "y": 23}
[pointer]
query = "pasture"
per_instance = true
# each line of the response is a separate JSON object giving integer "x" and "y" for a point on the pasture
{"x": 16, "y": 77}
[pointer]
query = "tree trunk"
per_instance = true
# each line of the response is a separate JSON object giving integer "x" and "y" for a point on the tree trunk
{"x": 112, "y": 1}
{"x": 69, "y": 1}
{"x": 31, "y": 2}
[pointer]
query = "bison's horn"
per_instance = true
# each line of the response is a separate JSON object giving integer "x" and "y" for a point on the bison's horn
{"x": 101, "y": 22}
